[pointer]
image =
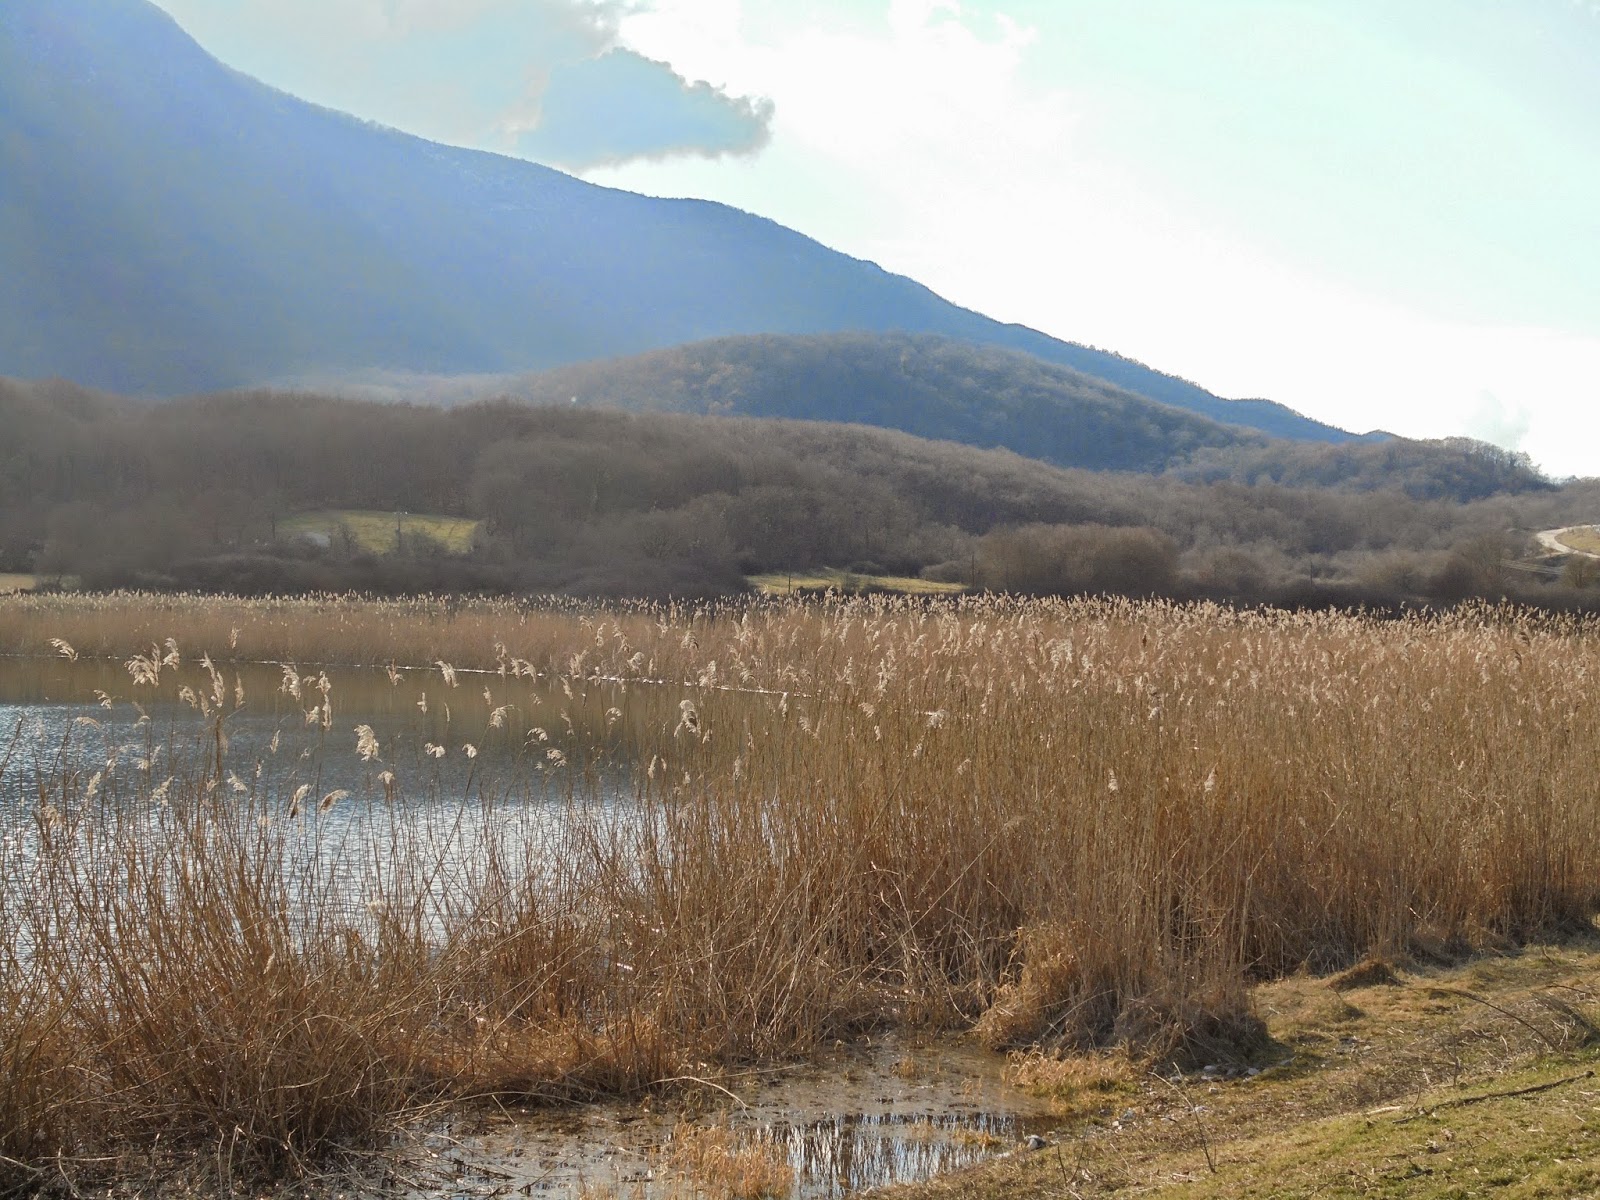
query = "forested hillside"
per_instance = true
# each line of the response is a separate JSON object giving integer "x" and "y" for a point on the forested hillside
{"x": 929, "y": 386}
{"x": 1442, "y": 469}
{"x": 201, "y": 493}
{"x": 980, "y": 395}
{"x": 168, "y": 226}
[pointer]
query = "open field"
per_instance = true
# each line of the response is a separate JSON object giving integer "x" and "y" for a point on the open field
{"x": 17, "y": 583}
{"x": 787, "y": 584}
{"x": 1049, "y": 825}
{"x": 380, "y": 532}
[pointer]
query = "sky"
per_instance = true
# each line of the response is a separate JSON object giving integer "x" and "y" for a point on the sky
{"x": 1382, "y": 213}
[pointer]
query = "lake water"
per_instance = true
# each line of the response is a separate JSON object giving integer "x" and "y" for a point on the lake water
{"x": 449, "y": 757}
{"x": 452, "y": 765}
{"x": 858, "y": 1117}
{"x": 437, "y": 734}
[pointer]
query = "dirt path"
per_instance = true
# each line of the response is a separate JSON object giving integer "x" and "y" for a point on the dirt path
{"x": 1551, "y": 540}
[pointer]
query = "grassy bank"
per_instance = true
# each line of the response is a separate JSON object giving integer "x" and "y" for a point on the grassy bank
{"x": 1423, "y": 1081}
{"x": 1067, "y": 825}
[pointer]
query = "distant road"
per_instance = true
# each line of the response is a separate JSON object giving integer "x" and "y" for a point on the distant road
{"x": 1551, "y": 539}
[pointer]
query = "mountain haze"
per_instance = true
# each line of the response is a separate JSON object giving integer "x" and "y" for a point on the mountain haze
{"x": 168, "y": 225}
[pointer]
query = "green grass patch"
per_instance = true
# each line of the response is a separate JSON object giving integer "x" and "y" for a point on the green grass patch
{"x": 778, "y": 583}
{"x": 382, "y": 532}
{"x": 1532, "y": 1133}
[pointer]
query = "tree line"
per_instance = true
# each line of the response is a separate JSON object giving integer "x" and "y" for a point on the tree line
{"x": 198, "y": 493}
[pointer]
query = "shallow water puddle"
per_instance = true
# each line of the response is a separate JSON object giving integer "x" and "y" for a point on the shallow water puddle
{"x": 857, "y": 1119}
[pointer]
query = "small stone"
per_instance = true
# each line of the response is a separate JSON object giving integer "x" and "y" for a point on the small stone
{"x": 1035, "y": 1142}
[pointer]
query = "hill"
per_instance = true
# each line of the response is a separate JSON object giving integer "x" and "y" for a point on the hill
{"x": 950, "y": 390}
{"x": 929, "y": 386}
{"x": 1455, "y": 469}
{"x": 168, "y": 225}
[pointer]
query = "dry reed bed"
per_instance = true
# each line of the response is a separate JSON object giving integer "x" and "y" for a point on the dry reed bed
{"x": 330, "y": 629}
{"x": 1057, "y": 823}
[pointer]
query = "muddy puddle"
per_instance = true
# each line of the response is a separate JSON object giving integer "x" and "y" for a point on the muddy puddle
{"x": 852, "y": 1120}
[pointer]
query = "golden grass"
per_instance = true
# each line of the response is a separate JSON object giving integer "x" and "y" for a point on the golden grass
{"x": 326, "y": 629}
{"x": 17, "y": 583}
{"x": 780, "y": 584}
{"x": 376, "y": 532}
{"x": 1075, "y": 1084}
{"x": 1064, "y": 824}
{"x": 727, "y": 1166}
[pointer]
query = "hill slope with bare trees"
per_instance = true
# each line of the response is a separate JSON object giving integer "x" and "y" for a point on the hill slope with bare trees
{"x": 208, "y": 493}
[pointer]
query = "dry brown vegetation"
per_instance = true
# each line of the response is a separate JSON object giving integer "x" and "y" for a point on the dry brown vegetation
{"x": 209, "y": 494}
{"x": 727, "y": 1166}
{"x": 1062, "y": 824}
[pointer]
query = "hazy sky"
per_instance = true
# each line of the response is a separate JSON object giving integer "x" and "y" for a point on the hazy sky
{"x": 1384, "y": 213}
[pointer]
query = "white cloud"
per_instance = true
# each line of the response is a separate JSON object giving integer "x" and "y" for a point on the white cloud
{"x": 1493, "y": 420}
{"x": 544, "y": 78}
{"x": 906, "y": 125}
{"x": 594, "y": 21}
{"x": 622, "y": 106}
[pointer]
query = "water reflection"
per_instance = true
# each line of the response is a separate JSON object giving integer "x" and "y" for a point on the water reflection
{"x": 857, "y": 1117}
{"x": 437, "y": 733}
{"x": 450, "y": 769}
{"x": 839, "y": 1155}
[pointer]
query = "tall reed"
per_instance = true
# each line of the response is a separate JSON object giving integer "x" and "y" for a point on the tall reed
{"x": 1046, "y": 822}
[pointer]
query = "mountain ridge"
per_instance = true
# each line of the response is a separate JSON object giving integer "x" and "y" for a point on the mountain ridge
{"x": 180, "y": 227}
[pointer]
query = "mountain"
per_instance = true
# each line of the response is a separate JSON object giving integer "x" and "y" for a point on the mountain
{"x": 168, "y": 225}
